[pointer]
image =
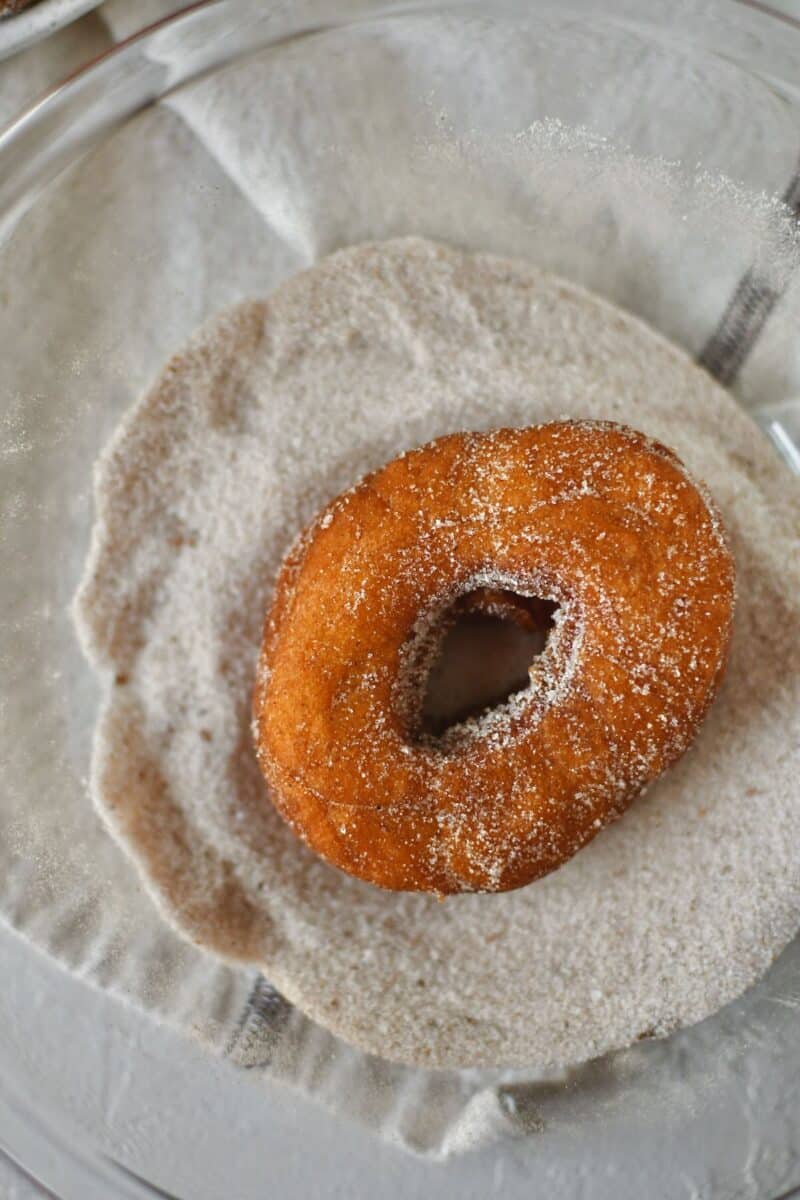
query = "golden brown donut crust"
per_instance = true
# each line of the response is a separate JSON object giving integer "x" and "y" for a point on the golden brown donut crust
{"x": 593, "y": 516}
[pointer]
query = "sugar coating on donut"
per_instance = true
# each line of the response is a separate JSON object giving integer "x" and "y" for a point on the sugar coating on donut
{"x": 592, "y": 516}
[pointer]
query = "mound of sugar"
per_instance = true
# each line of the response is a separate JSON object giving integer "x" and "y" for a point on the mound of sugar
{"x": 271, "y": 410}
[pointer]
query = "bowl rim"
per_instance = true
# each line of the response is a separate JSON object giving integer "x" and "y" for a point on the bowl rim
{"x": 145, "y": 31}
{"x": 38, "y": 113}
{"x": 23, "y": 29}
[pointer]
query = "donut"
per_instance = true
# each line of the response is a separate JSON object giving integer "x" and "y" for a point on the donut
{"x": 590, "y": 525}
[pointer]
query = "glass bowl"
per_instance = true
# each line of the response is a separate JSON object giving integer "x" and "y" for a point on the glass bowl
{"x": 648, "y": 151}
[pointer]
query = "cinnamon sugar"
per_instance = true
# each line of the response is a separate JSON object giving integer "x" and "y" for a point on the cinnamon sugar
{"x": 274, "y": 408}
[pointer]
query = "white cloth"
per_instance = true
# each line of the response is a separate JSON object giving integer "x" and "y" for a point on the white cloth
{"x": 273, "y": 163}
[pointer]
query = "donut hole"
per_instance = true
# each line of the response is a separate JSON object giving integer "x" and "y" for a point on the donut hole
{"x": 491, "y": 641}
